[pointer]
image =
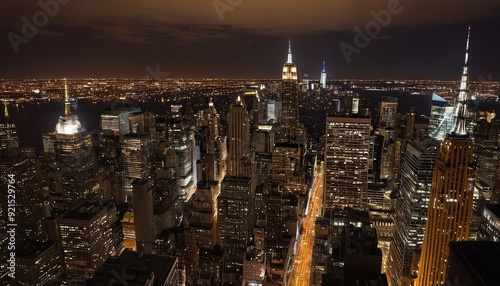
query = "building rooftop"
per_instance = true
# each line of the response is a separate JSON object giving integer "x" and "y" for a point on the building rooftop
{"x": 480, "y": 259}
{"x": 33, "y": 249}
{"x": 84, "y": 211}
{"x": 438, "y": 99}
{"x": 494, "y": 208}
{"x": 134, "y": 268}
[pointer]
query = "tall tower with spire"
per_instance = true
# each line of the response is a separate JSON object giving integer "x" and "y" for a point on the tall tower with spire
{"x": 8, "y": 132}
{"x": 239, "y": 138}
{"x": 290, "y": 90}
{"x": 74, "y": 156}
{"x": 450, "y": 204}
{"x": 323, "y": 76}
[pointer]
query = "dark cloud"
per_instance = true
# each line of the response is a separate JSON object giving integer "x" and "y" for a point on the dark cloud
{"x": 193, "y": 38}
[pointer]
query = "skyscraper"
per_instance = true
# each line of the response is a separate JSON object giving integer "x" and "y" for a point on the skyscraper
{"x": 74, "y": 156}
{"x": 137, "y": 159}
{"x": 346, "y": 162}
{"x": 8, "y": 132}
{"x": 323, "y": 76}
{"x": 440, "y": 120}
{"x": 85, "y": 238}
{"x": 235, "y": 210}
{"x": 144, "y": 219}
{"x": 411, "y": 209}
{"x": 239, "y": 138}
{"x": 290, "y": 90}
{"x": 450, "y": 205}
{"x": 410, "y": 124}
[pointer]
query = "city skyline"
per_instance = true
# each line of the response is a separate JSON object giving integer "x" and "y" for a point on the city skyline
{"x": 215, "y": 39}
{"x": 165, "y": 179}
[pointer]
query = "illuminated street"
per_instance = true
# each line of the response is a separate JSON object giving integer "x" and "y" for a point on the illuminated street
{"x": 301, "y": 269}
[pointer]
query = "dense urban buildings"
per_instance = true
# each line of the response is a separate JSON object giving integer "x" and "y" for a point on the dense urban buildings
{"x": 289, "y": 181}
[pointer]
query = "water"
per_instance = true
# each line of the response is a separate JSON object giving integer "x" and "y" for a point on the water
{"x": 32, "y": 119}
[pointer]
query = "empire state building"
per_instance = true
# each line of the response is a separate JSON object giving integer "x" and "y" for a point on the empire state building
{"x": 290, "y": 90}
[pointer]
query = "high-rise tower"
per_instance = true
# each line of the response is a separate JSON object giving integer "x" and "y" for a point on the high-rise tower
{"x": 323, "y": 76}
{"x": 239, "y": 138}
{"x": 450, "y": 204}
{"x": 411, "y": 209}
{"x": 346, "y": 162}
{"x": 8, "y": 132}
{"x": 74, "y": 156}
{"x": 290, "y": 90}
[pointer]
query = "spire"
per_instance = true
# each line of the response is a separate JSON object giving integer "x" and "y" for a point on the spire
{"x": 289, "y": 60}
{"x": 324, "y": 67}
{"x": 6, "y": 111}
{"x": 460, "y": 124}
{"x": 66, "y": 99}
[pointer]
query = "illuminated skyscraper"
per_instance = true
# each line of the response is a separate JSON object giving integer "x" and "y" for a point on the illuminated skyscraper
{"x": 388, "y": 109}
{"x": 74, "y": 156}
{"x": 24, "y": 165}
{"x": 410, "y": 124}
{"x": 441, "y": 120}
{"x": 450, "y": 205}
{"x": 180, "y": 139}
{"x": 346, "y": 162}
{"x": 323, "y": 76}
{"x": 235, "y": 212}
{"x": 208, "y": 129}
{"x": 411, "y": 209}
{"x": 290, "y": 90}
{"x": 85, "y": 235}
{"x": 8, "y": 132}
{"x": 137, "y": 159}
{"x": 239, "y": 139}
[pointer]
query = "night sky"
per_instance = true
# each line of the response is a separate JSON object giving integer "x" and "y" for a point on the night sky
{"x": 423, "y": 39}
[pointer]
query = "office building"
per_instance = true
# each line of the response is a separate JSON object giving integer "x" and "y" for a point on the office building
{"x": 235, "y": 210}
{"x": 388, "y": 109}
{"x": 441, "y": 120}
{"x": 85, "y": 237}
{"x": 450, "y": 204}
{"x": 239, "y": 140}
{"x": 137, "y": 268}
{"x": 346, "y": 162}
{"x": 411, "y": 208}
{"x": 254, "y": 267}
{"x": 490, "y": 223}
{"x": 145, "y": 228}
{"x": 473, "y": 263}
{"x": 38, "y": 263}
